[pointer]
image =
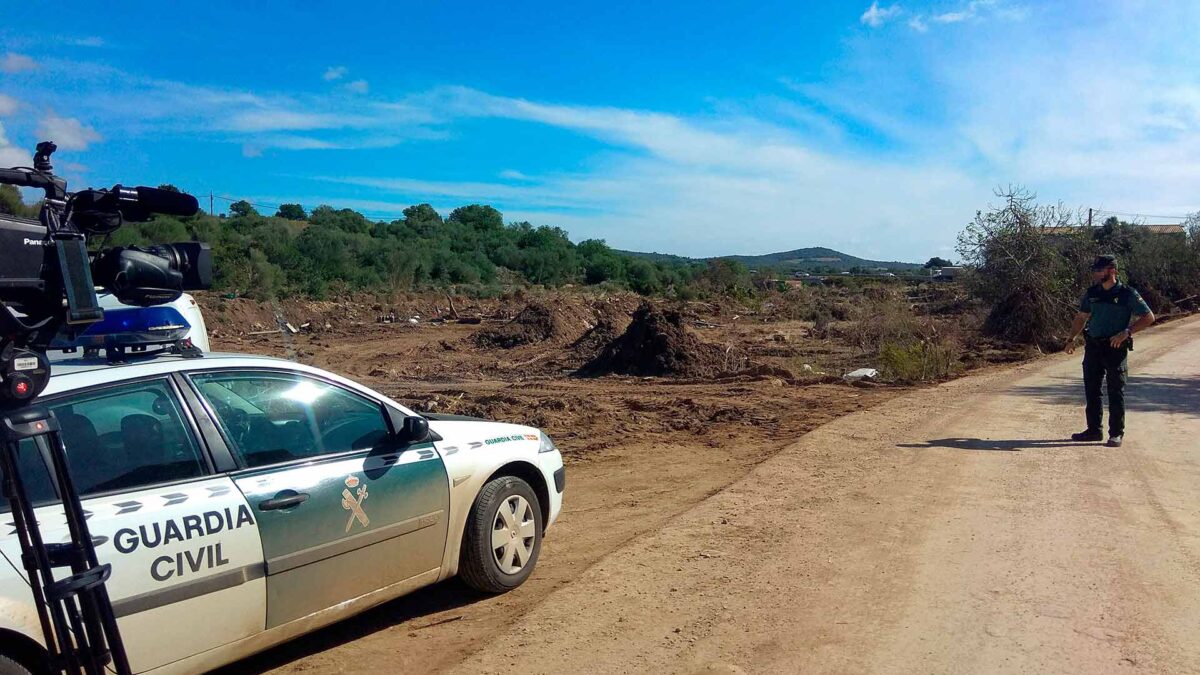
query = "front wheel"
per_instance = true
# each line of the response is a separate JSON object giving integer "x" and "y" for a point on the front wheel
{"x": 11, "y": 667}
{"x": 503, "y": 536}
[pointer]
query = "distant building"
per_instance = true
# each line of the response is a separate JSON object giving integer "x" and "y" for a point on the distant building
{"x": 1176, "y": 229}
{"x": 1166, "y": 229}
{"x": 946, "y": 273}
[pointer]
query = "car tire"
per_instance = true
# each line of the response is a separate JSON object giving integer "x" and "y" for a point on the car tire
{"x": 503, "y": 536}
{"x": 11, "y": 667}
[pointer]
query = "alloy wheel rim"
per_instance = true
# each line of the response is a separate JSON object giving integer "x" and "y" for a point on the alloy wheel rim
{"x": 514, "y": 531}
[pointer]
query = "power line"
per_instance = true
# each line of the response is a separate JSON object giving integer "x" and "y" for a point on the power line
{"x": 1141, "y": 215}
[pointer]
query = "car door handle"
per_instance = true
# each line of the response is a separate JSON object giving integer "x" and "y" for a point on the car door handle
{"x": 283, "y": 500}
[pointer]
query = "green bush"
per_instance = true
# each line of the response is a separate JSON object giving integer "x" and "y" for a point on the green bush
{"x": 918, "y": 361}
{"x": 1028, "y": 279}
{"x": 887, "y": 321}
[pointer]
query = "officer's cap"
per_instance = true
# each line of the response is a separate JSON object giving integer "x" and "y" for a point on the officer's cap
{"x": 1104, "y": 262}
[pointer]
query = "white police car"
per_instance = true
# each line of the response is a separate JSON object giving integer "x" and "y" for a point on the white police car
{"x": 244, "y": 501}
{"x": 133, "y": 327}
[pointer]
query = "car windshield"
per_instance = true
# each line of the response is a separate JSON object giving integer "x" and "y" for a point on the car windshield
{"x": 237, "y": 394}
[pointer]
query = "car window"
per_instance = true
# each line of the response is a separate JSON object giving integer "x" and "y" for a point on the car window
{"x": 117, "y": 438}
{"x": 34, "y": 474}
{"x": 269, "y": 418}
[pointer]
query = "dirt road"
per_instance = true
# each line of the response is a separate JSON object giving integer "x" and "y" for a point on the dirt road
{"x": 949, "y": 530}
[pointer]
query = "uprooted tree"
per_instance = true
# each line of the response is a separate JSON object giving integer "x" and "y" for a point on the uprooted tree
{"x": 1028, "y": 280}
{"x": 1031, "y": 263}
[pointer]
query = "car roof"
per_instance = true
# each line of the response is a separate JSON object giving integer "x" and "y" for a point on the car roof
{"x": 69, "y": 372}
{"x": 62, "y": 364}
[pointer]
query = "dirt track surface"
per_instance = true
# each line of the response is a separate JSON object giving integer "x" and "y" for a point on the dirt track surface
{"x": 932, "y": 530}
{"x": 948, "y": 530}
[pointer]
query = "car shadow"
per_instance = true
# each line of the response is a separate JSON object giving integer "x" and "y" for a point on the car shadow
{"x": 1012, "y": 445}
{"x": 440, "y": 597}
{"x": 1143, "y": 393}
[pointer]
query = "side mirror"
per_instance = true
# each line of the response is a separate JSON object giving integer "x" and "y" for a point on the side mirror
{"x": 406, "y": 429}
{"x": 415, "y": 430}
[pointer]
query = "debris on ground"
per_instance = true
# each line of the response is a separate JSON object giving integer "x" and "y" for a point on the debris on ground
{"x": 869, "y": 374}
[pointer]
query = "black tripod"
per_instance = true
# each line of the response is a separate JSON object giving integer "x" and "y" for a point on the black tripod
{"x": 75, "y": 612}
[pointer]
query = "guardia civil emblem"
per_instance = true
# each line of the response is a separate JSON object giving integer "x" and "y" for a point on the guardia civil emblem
{"x": 353, "y": 505}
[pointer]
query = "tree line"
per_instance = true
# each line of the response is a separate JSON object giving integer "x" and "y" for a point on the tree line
{"x": 331, "y": 251}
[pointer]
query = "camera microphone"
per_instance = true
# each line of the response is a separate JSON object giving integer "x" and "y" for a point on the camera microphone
{"x": 155, "y": 200}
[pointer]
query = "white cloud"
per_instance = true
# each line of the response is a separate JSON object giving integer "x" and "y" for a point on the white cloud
{"x": 953, "y": 17}
{"x": 91, "y": 41}
{"x": 17, "y": 63}
{"x": 8, "y": 105}
{"x": 9, "y": 155}
{"x": 281, "y": 119}
{"x": 335, "y": 73}
{"x": 976, "y": 9}
{"x": 876, "y": 16}
{"x": 849, "y": 104}
{"x": 887, "y": 157}
{"x": 131, "y": 105}
{"x": 68, "y": 132}
{"x": 1039, "y": 105}
{"x": 358, "y": 87}
{"x": 1094, "y": 133}
{"x": 679, "y": 184}
{"x": 293, "y": 142}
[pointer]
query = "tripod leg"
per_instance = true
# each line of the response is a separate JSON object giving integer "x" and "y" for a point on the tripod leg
{"x": 80, "y": 633}
{"x": 36, "y": 561}
{"x": 104, "y": 634}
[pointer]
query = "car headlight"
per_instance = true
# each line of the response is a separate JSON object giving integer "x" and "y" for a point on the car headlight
{"x": 546, "y": 445}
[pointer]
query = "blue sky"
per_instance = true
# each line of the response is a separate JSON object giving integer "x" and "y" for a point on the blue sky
{"x": 692, "y": 128}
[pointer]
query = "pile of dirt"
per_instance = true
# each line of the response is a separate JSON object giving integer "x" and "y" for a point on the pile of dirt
{"x": 537, "y": 322}
{"x": 593, "y": 342}
{"x": 656, "y": 343}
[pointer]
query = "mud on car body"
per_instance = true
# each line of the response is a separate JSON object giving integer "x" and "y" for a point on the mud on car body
{"x": 244, "y": 501}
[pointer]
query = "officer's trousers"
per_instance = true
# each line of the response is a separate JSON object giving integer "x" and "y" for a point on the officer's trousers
{"x": 1101, "y": 361}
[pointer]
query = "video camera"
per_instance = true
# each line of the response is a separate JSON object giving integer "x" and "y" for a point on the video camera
{"x": 48, "y": 279}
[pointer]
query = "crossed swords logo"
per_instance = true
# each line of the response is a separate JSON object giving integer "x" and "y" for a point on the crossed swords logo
{"x": 354, "y": 506}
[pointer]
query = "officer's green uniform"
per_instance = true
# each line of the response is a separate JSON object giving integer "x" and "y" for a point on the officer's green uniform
{"x": 1111, "y": 312}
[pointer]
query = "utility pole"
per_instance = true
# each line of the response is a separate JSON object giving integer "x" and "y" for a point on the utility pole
{"x": 210, "y": 207}
{"x": 1089, "y": 217}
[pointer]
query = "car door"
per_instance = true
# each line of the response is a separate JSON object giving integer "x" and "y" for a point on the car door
{"x": 182, "y": 542}
{"x": 342, "y": 511}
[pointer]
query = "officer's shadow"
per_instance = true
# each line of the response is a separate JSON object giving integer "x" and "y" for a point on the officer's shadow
{"x": 1012, "y": 445}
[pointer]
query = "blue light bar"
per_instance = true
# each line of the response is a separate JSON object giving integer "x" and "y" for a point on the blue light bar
{"x": 129, "y": 327}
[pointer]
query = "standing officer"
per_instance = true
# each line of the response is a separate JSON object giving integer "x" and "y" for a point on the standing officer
{"x": 1112, "y": 313}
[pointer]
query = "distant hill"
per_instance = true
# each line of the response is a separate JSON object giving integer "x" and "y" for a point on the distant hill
{"x": 801, "y": 259}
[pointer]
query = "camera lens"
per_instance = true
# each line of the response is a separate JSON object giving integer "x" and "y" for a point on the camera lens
{"x": 171, "y": 254}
